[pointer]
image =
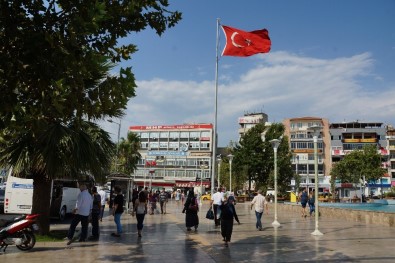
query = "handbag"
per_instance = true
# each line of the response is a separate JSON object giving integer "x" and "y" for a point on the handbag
{"x": 210, "y": 214}
{"x": 193, "y": 206}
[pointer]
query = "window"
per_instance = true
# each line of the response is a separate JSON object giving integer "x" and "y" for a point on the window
{"x": 163, "y": 145}
{"x": 204, "y": 145}
{"x": 153, "y": 145}
{"x": 174, "y": 136}
{"x": 164, "y": 134}
{"x": 194, "y": 134}
{"x": 154, "y": 135}
{"x": 184, "y": 135}
{"x": 144, "y": 135}
{"x": 174, "y": 146}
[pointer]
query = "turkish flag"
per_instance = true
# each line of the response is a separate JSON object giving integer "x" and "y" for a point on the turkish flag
{"x": 240, "y": 43}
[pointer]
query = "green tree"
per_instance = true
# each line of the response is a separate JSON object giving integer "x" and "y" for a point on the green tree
{"x": 255, "y": 157}
{"x": 129, "y": 153}
{"x": 358, "y": 165}
{"x": 55, "y": 59}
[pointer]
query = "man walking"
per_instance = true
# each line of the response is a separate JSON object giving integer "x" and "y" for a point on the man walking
{"x": 163, "y": 201}
{"x": 96, "y": 209}
{"x": 216, "y": 201}
{"x": 81, "y": 213}
{"x": 259, "y": 202}
{"x": 103, "y": 200}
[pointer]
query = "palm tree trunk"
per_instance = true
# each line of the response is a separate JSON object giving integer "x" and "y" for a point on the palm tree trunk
{"x": 41, "y": 201}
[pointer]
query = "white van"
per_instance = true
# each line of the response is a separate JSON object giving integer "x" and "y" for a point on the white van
{"x": 19, "y": 196}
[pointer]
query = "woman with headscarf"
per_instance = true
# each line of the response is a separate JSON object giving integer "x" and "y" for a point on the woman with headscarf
{"x": 228, "y": 212}
{"x": 191, "y": 209}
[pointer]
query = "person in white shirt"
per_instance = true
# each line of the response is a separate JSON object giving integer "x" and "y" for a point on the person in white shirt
{"x": 81, "y": 213}
{"x": 259, "y": 202}
{"x": 216, "y": 201}
{"x": 102, "y": 194}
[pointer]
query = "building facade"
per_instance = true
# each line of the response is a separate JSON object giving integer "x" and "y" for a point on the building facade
{"x": 175, "y": 156}
{"x": 249, "y": 120}
{"x": 349, "y": 136}
{"x": 391, "y": 153}
{"x": 302, "y": 148}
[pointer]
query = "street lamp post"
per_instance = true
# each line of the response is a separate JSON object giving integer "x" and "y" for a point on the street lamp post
{"x": 219, "y": 169}
{"x": 275, "y": 143}
{"x": 230, "y": 156}
{"x": 316, "y": 131}
{"x": 119, "y": 134}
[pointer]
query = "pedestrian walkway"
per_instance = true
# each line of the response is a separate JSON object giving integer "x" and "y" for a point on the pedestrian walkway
{"x": 165, "y": 239}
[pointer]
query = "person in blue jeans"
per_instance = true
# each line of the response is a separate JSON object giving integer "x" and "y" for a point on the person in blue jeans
{"x": 312, "y": 203}
{"x": 140, "y": 208}
{"x": 303, "y": 201}
{"x": 117, "y": 211}
{"x": 259, "y": 202}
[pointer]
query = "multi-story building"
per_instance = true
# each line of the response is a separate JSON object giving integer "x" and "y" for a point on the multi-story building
{"x": 249, "y": 120}
{"x": 349, "y": 136}
{"x": 391, "y": 153}
{"x": 302, "y": 148}
{"x": 175, "y": 156}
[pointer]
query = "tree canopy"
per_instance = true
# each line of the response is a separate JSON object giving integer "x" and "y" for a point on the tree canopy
{"x": 56, "y": 58}
{"x": 358, "y": 165}
{"x": 254, "y": 158}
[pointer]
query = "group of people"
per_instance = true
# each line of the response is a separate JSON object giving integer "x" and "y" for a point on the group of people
{"x": 90, "y": 207}
{"x": 307, "y": 199}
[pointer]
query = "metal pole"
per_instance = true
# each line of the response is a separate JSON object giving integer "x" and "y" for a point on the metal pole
{"x": 230, "y": 180}
{"x": 316, "y": 213}
{"x": 214, "y": 139}
{"x": 275, "y": 222}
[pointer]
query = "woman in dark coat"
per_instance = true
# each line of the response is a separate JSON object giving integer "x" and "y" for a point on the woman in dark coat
{"x": 228, "y": 213}
{"x": 191, "y": 209}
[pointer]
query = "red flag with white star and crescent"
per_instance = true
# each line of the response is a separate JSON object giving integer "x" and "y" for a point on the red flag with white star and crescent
{"x": 240, "y": 43}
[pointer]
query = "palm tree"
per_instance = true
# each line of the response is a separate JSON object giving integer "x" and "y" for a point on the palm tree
{"x": 129, "y": 153}
{"x": 55, "y": 150}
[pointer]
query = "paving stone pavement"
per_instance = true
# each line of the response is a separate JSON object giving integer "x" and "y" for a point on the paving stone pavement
{"x": 165, "y": 239}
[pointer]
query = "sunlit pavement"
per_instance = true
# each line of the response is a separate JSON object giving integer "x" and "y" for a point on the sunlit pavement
{"x": 165, "y": 239}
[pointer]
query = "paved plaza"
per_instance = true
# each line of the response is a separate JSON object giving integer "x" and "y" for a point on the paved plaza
{"x": 165, "y": 239}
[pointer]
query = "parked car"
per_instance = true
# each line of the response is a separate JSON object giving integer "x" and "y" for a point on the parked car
{"x": 2, "y": 193}
{"x": 206, "y": 197}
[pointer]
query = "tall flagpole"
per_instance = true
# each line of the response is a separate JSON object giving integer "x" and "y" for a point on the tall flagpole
{"x": 214, "y": 144}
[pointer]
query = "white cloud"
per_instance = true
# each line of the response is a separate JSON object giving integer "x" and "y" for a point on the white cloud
{"x": 283, "y": 85}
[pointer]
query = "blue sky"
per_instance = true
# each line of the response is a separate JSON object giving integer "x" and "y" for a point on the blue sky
{"x": 331, "y": 59}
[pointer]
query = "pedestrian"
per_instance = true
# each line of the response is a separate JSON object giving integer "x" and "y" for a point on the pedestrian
{"x": 135, "y": 195}
{"x": 178, "y": 197}
{"x": 96, "y": 209}
{"x": 228, "y": 214}
{"x": 303, "y": 201}
{"x": 182, "y": 197}
{"x": 162, "y": 201}
{"x": 216, "y": 201}
{"x": 118, "y": 210}
{"x": 152, "y": 200}
{"x": 140, "y": 208}
{"x": 259, "y": 203}
{"x": 81, "y": 213}
{"x": 191, "y": 209}
{"x": 267, "y": 200}
{"x": 103, "y": 201}
{"x": 311, "y": 203}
